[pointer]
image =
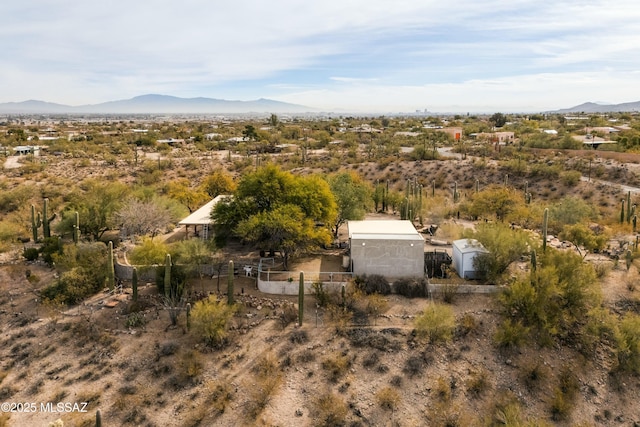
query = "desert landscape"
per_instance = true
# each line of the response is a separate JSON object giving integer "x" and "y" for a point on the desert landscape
{"x": 369, "y": 357}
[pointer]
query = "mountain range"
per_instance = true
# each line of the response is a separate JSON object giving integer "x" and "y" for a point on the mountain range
{"x": 157, "y": 104}
{"x": 593, "y": 107}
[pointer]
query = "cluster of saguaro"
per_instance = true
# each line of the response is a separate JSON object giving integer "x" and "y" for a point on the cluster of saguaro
{"x": 411, "y": 206}
{"x": 41, "y": 220}
{"x": 456, "y": 193}
{"x": 381, "y": 195}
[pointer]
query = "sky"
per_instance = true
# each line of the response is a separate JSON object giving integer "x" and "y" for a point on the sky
{"x": 337, "y": 55}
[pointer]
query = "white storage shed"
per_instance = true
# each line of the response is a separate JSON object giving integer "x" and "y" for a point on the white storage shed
{"x": 390, "y": 248}
{"x": 464, "y": 252}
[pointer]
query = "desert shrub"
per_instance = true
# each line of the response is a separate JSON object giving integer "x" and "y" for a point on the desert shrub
{"x": 74, "y": 285}
{"x": 570, "y": 178}
{"x": 136, "y": 319}
{"x": 534, "y": 374}
{"x": 554, "y": 303}
{"x": 329, "y": 410}
{"x": 298, "y": 336}
{"x": 411, "y": 288}
{"x": 168, "y": 348}
{"x": 30, "y": 254}
{"x": 467, "y": 325}
{"x": 148, "y": 252}
{"x": 336, "y": 366}
{"x": 218, "y": 396}
{"x": 210, "y": 319}
{"x": 267, "y": 379}
{"x": 449, "y": 292}
{"x": 289, "y": 315}
{"x": 628, "y": 344}
{"x": 436, "y": 323}
{"x": 504, "y": 245}
{"x": 442, "y": 390}
{"x": 50, "y": 247}
{"x": 414, "y": 366}
{"x": 388, "y": 398}
{"x": 510, "y": 334}
{"x": 477, "y": 383}
{"x": 370, "y": 359}
{"x": 323, "y": 298}
{"x": 372, "y": 284}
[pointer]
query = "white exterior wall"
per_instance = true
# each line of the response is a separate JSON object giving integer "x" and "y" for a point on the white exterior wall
{"x": 387, "y": 257}
{"x": 463, "y": 255}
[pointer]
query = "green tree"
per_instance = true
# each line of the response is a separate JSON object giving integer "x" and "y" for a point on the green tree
{"x": 285, "y": 229}
{"x": 583, "y": 238}
{"x": 148, "y": 252}
{"x": 498, "y": 120}
{"x": 556, "y": 301}
{"x": 352, "y": 196}
{"x": 218, "y": 182}
{"x": 98, "y": 204}
{"x": 504, "y": 244}
{"x": 495, "y": 200}
{"x": 181, "y": 190}
{"x": 308, "y": 199}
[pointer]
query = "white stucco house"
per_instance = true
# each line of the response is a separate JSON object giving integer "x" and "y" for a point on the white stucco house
{"x": 464, "y": 252}
{"x": 391, "y": 248}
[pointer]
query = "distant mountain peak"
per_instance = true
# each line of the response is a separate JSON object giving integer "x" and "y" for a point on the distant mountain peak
{"x": 157, "y": 104}
{"x": 595, "y": 107}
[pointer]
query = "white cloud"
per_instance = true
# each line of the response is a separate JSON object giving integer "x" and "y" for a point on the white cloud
{"x": 360, "y": 52}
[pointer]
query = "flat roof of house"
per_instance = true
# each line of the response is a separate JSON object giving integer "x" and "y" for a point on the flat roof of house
{"x": 202, "y": 216}
{"x": 383, "y": 229}
{"x": 469, "y": 245}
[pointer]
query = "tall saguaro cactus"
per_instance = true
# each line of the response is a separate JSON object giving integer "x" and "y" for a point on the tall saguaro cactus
{"x": 134, "y": 284}
{"x": 36, "y": 222}
{"x": 167, "y": 275}
{"x": 98, "y": 418}
{"x": 230, "y": 284}
{"x": 76, "y": 227}
{"x": 628, "y": 207}
{"x": 46, "y": 229}
{"x": 301, "y": 299}
{"x": 111, "y": 273}
{"x": 545, "y": 221}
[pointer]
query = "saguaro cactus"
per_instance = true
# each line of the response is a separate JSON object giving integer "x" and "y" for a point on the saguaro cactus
{"x": 534, "y": 260}
{"x": 628, "y": 206}
{"x": 622, "y": 213}
{"x": 46, "y": 230}
{"x": 134, "y": 284}
{"x": 98, "y": 418}
{"x": 188, "y": 316}
{"x": 167, "y": 275}
{"x": 230, "y": 284}
{"x": 36, "y": 222}
{"x": 111, "y": 273}
{"x": 545, "y": 221}
{"x": 301, "y": 299}
{"x": 76, "y": 227}
{"x": 477, "y": 186}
